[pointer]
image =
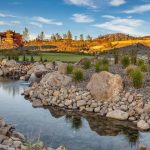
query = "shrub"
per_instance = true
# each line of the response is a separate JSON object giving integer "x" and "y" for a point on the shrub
{"x": 144, "y": 68}
{"x": 41, "y": 58}
{"x": 97, "y": 67}
{"x": 105, "y": 67}
{"x": 125, "y": 61}
{"x": 69, "y": 69}
{"x": 130, "y": 69}
{"x": 105, "y": 61}
{"x": 137, "y": 78}
{"x": 140, "y": 62}
{"x": 86, "y": 64}
{"x": 101, "y": 66}
{"x": 32, "y": 59}
{"x": 78, "y": 75}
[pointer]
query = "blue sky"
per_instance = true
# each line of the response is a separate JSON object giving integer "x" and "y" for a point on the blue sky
{"x": 94, "y": 17}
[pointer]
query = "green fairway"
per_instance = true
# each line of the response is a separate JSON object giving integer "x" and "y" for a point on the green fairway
{"x": 64, "y": 57}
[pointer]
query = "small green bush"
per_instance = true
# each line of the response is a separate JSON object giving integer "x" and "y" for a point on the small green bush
{"x": 141, "y": 62}
{"x": 105, "y": 67}
{"x": 137, "y": 78}
{"x": 125, "y": 61}
{"x": 86, "y": 64}
{"x": 105, "y": 61}
{"x": 78, "y": 75}
{"x": 144, "y": 68}
{"x": 69, "y": 69}
{"x": 101, "y": 66}
{"x": 130, "y": 69}
{"x": 97, "y": 67}
{"x": 32, "y": 59}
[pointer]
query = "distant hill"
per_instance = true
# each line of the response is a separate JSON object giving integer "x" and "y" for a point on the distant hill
{"x": 115, "y": 37}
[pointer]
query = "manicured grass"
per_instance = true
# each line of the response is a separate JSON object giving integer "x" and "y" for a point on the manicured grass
{"x": 64, "y": 57}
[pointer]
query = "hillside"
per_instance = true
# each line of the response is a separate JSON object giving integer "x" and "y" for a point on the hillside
{"x": 115, "y": 37}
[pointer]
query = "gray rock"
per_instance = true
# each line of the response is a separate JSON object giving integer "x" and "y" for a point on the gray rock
{"x": 130, "y": 99}
{"x": 17, "y": 144}
{"x": 37, "y": 103}
{"x": 68, "y": 102}
{"x": 2, "y": 123}
{"x": 18, "y": 135}
{"x": 124, "y": 107}
{"x": 118, "y": 114}
{"x": 5, "y": 147}
{"x": 2, "y": 138}
{"x": 61, "y": 148}
{"x": 97, "y": 110}
{"x": 81, "y": 103}
{"x": 143, "y": 125}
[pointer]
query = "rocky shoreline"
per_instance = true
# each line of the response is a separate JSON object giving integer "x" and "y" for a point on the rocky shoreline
{"x": 13, "y": 140}
{"x": 103, "y": 93}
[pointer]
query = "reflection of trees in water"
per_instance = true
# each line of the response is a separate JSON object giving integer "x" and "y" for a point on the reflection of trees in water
{"x": 11, "y": 87}
{"x": 132, "y": 136}
{"x": 75, "y": 121}
{"x": 101, "y": 125}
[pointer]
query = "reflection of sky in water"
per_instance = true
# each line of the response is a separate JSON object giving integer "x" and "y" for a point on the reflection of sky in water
{"x": 54, "y": 128}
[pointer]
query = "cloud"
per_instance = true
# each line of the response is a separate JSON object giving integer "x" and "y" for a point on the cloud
{"x": 88, "y": 3}
{"x": 108, "y": 16}
{"x": 117, "y": 2}
{"x": 43, "y": 20}
{"x": 15, "y": 22}
{"x": 2, "y": 23}
{"x": 138, "y": 9}
{"x": 82, "y": 18}
{"x": 6, "y": 15}
{"x": 123, "y": 25}
{"x": 36, "y": 24}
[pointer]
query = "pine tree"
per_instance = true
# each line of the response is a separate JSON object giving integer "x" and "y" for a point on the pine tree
{"x": 25, "y": 35}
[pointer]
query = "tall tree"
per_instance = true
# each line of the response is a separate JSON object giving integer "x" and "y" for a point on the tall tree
{"x": 75, "y": 38}
{"x": 89, "y": 38}
{"x": 53, "y": 37}
{"x": 81, "y": 37}
{"x": 58, "y": 36}
{"x": 42, "y": 36}
{"x": 25, "y": 35}
{"x": 64, "y": 36}
{"x": 69, "y": 35}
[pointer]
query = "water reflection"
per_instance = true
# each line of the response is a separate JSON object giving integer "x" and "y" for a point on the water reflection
{"x": 12, "y": 87}
{"x": 75, "y": 121}
{"x": 101, "y": 125}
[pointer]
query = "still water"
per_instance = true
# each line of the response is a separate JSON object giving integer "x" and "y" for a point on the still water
{"x": 56, "y": 127}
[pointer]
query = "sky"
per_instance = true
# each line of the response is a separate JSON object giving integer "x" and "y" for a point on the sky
{"x": 93, "y": 17}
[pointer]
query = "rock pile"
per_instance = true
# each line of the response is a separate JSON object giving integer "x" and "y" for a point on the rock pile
{"x": 13, "y": 69}
{"x": 12, "y": 140}
{"x": 55, "y": 89}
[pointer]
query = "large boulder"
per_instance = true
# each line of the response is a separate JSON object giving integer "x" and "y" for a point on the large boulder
{"x": 56, "y": 79}
{"x": 118, "y": 114}
{"x": 37, "y": 67}
{"x": 62, "y": 68}
{"x": 105, "y": 86}
{"x": 35, "y": 77}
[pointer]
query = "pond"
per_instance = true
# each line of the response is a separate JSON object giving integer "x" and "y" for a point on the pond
{"x": 56, "y": 127}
